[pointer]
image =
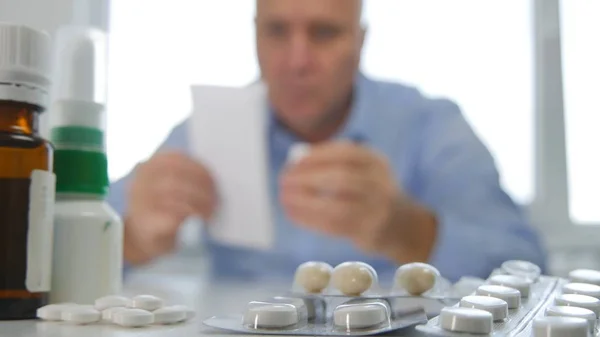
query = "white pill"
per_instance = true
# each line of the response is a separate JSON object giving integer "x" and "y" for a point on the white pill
{"x": 189, "y": 312}
{"x": 313, "y": 276}
{"x": 416, "y": 278}
{"x": 511, "y": 296}
{"x": 557, "y": 326}
{"x": 468, "y": 320}
{"x": 146, "y": 302}
{"x": 497, "y": 307}
{"x": 564, "y": 311}
{"x": 582, "y": 289}
{"x": 109, "y": 313}
{"x": 581, "y": 301}
{"x": 522, "y": 284}
{"x": 53, "y": 312}
{"x": 111, "y": 301}
{"x": 297, "y": 152}
{"x": 353, "y": 278}
{"x": 168, "y": 315}
{"x": 132, "y": 318}
{"x": 302, "y": 305}
{"x": 81, "y": 314}
{"x": 359, "y": 316}
{"x": 522, "y": 268}
{"x": 270, "y": 316}
{"x": 585, "y": 276}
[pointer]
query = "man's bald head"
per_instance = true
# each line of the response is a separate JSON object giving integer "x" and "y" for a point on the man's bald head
{"x": 309, "y": 54}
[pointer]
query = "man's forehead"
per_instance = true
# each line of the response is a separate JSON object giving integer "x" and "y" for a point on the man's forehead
{"x": 281, "y": 8}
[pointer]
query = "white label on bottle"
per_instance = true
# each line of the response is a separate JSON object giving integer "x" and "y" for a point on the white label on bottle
{"x": 40, "y": 233}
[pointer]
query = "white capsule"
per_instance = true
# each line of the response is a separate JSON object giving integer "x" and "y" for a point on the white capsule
{"x": 132, "y": 318}
{"x": 53, "y": 312}
{"x": 353, "y": 278}
{"x": 111, "y": 301}
{"x": 189, "y": 312}
{"x": 168, "y": 315}
{"x": 416, "y": 278}
{"x": 146, "y": 302}
{"x": 80, "y": 314}
{"x": 313, "y": 276}
{"x": 109, "y": 313}
{"x": 297, "y": 152}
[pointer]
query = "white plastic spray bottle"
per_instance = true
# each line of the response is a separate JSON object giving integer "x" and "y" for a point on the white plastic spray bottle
{"x": 88, "y": 233}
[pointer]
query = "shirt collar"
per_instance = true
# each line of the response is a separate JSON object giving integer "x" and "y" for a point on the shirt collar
{"x": 358, "y": 124}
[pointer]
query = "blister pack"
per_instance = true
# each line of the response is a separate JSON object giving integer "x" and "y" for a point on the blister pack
{"x": 517, "y": 301}
{"x": 345, "y": 300}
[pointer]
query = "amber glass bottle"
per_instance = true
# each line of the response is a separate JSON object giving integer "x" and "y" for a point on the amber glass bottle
{"x": 26, "y": 179}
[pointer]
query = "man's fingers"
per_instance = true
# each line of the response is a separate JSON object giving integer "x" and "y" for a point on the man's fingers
{"x": 338, "y": 182}
{"x": 343, "y": 153}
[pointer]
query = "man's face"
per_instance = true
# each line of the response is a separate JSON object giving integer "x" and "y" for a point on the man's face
{"x": 309, "y": 53}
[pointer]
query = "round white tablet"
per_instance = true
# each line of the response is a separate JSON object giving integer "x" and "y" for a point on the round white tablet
{"x": 168, "y": 315}
{"x": 133, "y": 318}
{"x": 313, "y": 276}
{"x": 80, "y": 314}
{"x": 270, "y": 316}
{"x": 297, "y": 152}
{"x": 359, "y": 316}
{"x": 563, "y": 311}
{"x": 557, "y": 326}
{"x": 468, "y": 320}
{"x": 582, "y": 301}
{"x": 146, "y": 302}
{"x": 111, "y": 301}
{"x": 522, "y": 268}
{"x": 497, "y": 307}
{"x": 189, "y": 312}
{"x": 53, "y": 312}
{"x": 522, "y": 284}
{"x": 353, "y": 278}
{"x": 301, "y": 304}
{"x": 511, "y": 296}
{"x": 108, "y": 314}
{"x": 585, "y": 276}
{"x": 416, "y": 278}
{"x": 582, "y": 289}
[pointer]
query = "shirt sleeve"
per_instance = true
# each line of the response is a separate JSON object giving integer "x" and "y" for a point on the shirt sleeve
{"x": 479, "y": 225}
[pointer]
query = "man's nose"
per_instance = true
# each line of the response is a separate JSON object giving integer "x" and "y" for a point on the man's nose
{"x": 299, "y": 53}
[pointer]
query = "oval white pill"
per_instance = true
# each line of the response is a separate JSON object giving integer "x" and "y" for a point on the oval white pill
{"x": 146, "y": 302}
{"x": 133, "y": 318}
{"x": 112, "y": 301}
{"x": 564, "y": 311}
{"x": 297, "y": 152}
{"x": 108, "y": 314}
{"x": 53, "y": 312}
{"x": 522, "y": 268}
{"x": 189, "y": 312}
{"x": 457, "y": 319}
{"x": 585, "y": 276}
{"x": 581, "y": 301}
{"x": 522, "y": 284}
{"x": 353, "y": 278}
{"x": 416, "y": 278}
{"x": 359, "y": 316}
{"x": 582, "y": 289}
{"x": 511, "y": 296}
{"x": 302, "y": 305}
{"x": 168, "y": 315}
{"x": 560, "y": 327}
{"x": 313, "y": 276}
{"x": 497, "y": 307}
{"x": 80, "y": 314}
{"x": 270, "y": 316}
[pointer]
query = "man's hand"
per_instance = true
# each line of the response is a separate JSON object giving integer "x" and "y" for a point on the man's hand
{"x": 344, "y": 189}
{"x": 165, "y": 190}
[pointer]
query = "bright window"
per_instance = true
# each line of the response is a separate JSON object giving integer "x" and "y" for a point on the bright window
{"x": 475, "y": 52}
{"x": 581, "y": 59}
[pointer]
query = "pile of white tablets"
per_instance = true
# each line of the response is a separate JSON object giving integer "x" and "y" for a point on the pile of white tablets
{"x": 138, "y": 311}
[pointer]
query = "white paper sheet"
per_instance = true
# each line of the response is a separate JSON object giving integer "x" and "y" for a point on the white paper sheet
{"x": 228, "y": 134}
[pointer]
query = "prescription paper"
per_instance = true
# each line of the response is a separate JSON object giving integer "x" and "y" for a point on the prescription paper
{"x": 228, "y": 134}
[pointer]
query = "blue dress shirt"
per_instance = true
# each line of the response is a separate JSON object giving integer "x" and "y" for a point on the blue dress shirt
{"x": 437, "y": 159}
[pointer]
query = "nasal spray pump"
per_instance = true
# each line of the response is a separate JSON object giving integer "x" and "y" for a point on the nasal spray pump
{"x": 88, "y": 233}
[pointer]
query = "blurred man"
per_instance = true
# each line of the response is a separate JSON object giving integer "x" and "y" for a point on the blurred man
{"x": 414, "y": 184}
